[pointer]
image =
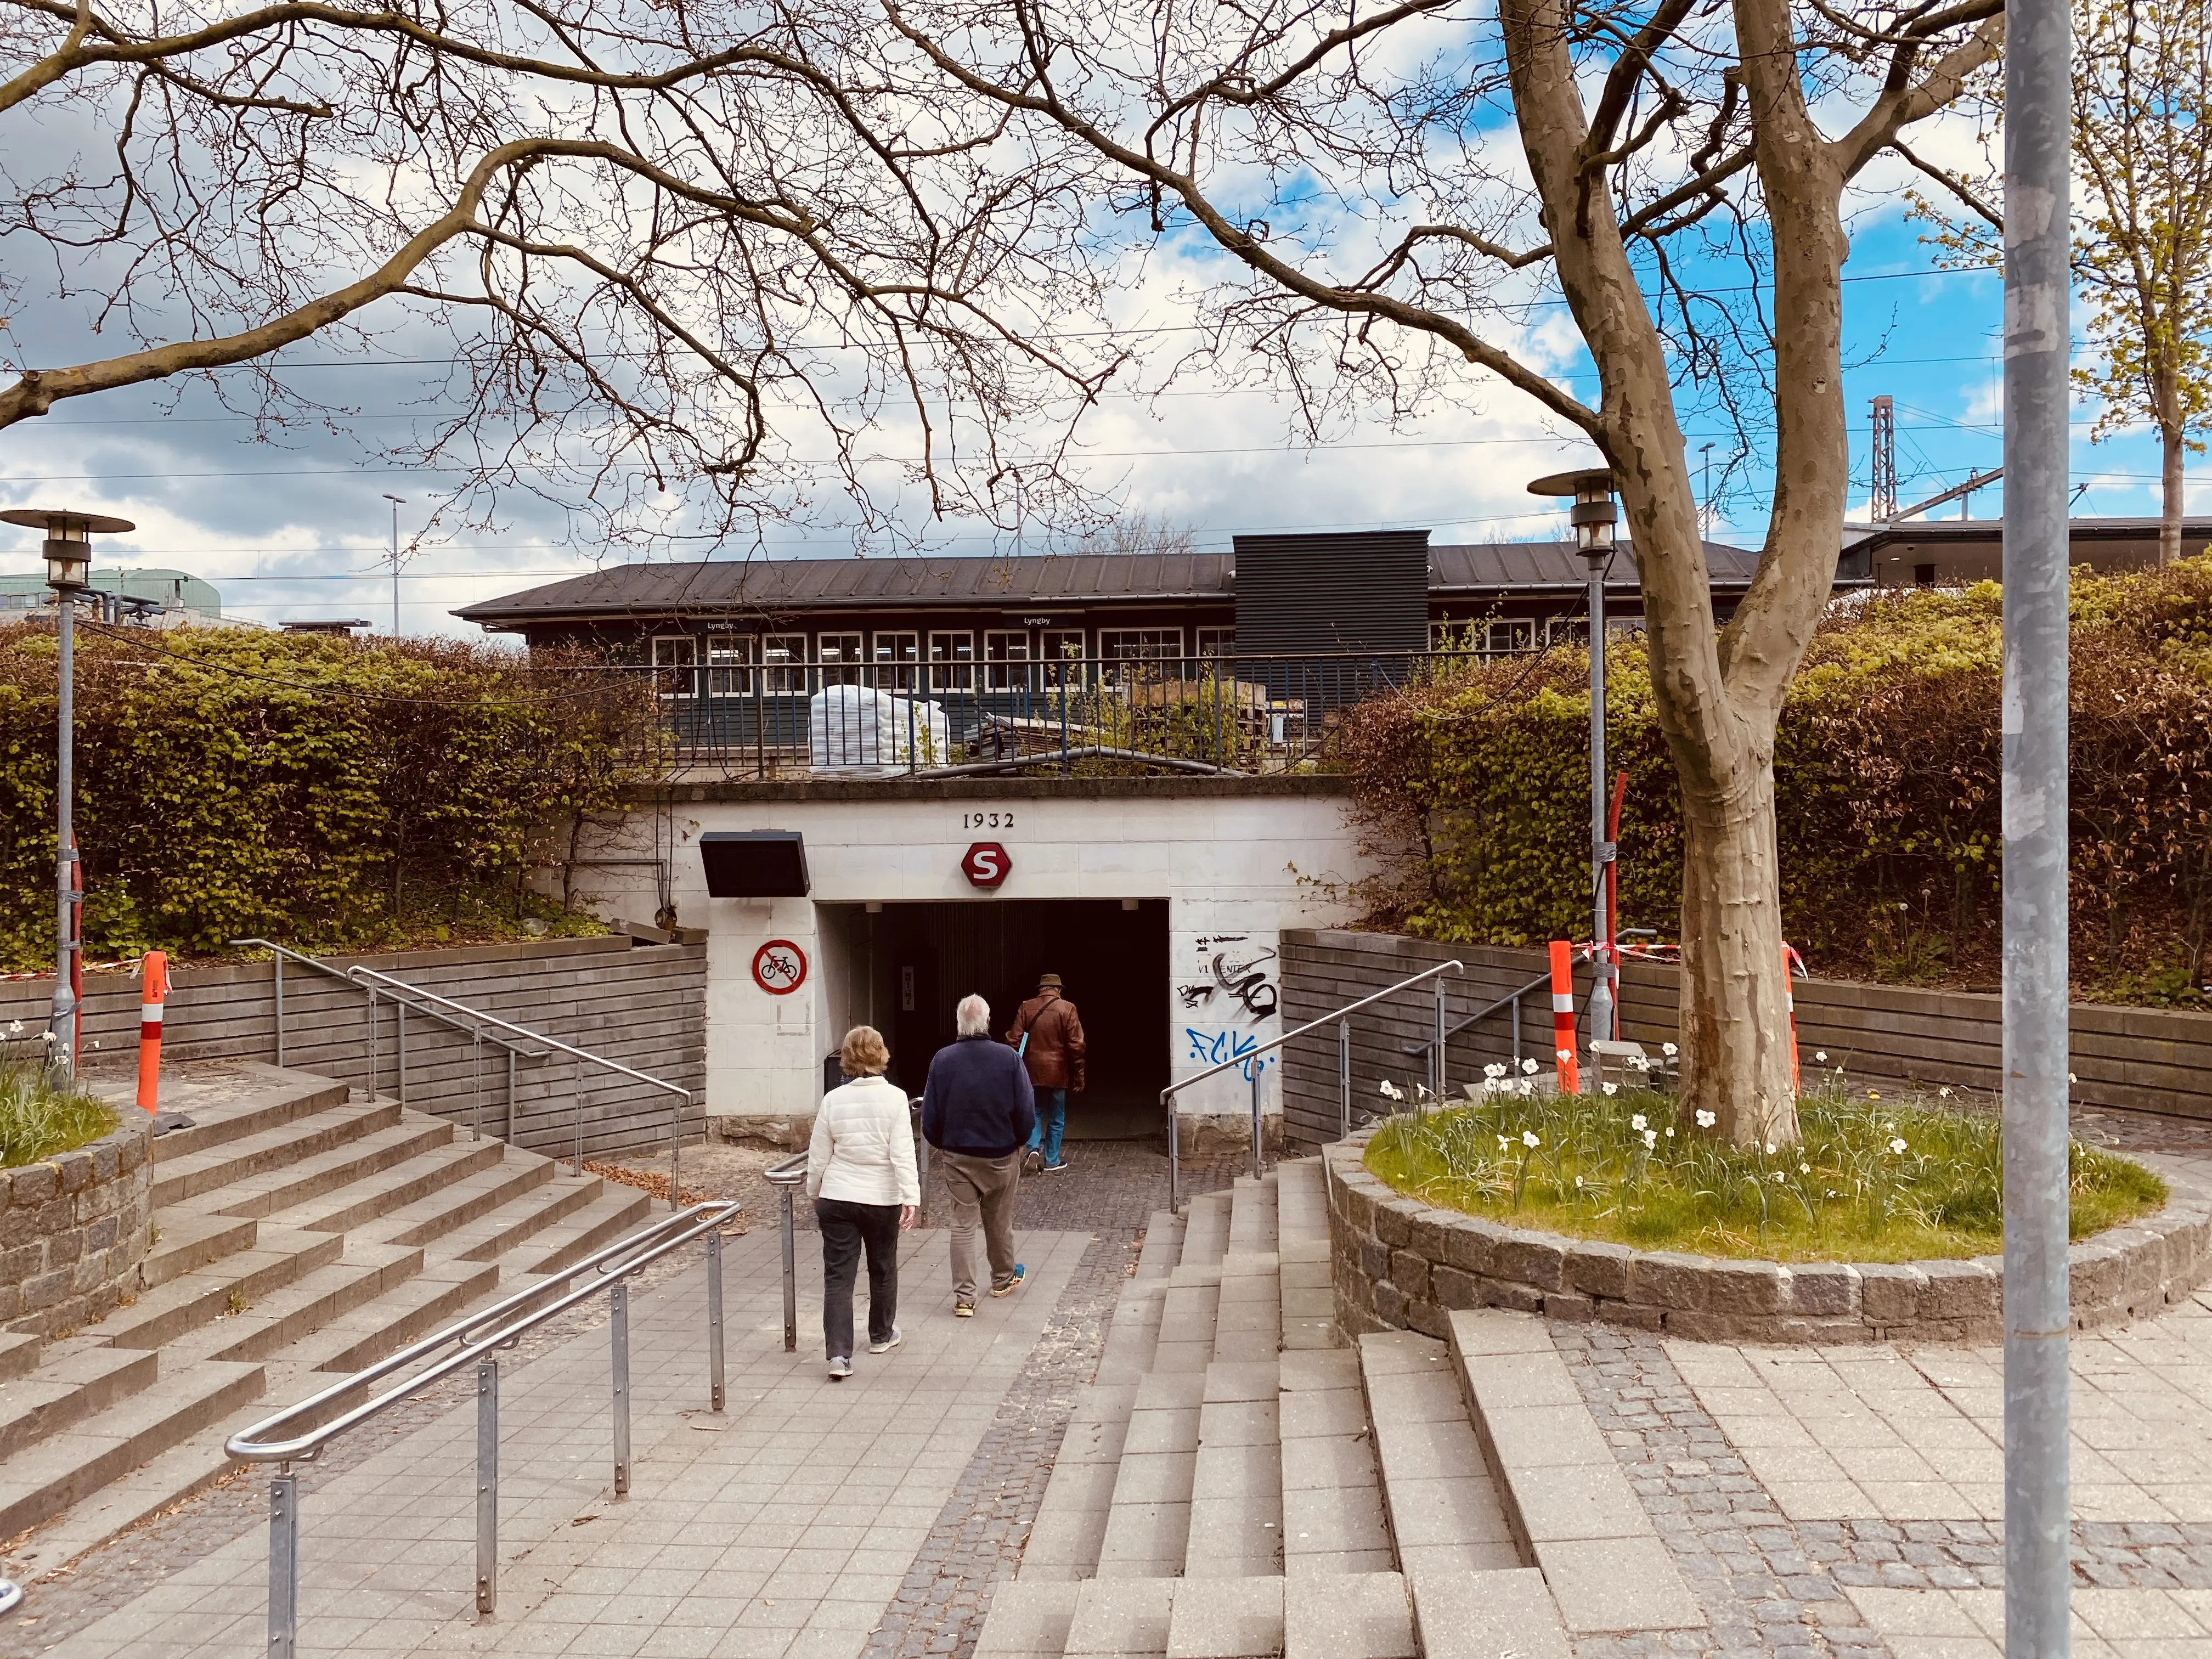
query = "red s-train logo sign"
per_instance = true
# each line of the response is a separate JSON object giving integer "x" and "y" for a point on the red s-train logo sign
{"x": 986, "y": 864}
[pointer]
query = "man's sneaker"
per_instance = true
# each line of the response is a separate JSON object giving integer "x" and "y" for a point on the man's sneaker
{"x": 1011, "y": 1285}
{"x": 840, "y": 1368}
{"x": 965, "y": 1309}
{"x": 887, "y": 1343}
{"x": 1056, "y": 1169}
{"x": 1032, "y": 1161}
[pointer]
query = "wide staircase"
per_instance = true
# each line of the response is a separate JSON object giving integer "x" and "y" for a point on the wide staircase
{"x": 1235, "y": 1482}
{"x": 300, "y": 1229}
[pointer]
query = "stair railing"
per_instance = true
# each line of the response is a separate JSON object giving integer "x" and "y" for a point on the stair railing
{"x": 398, "y": 989}
{"x": 1512, "y": 1000}
{"x": 473, "y": 1028}
{"x": 1248, "y": 1062}
{"x": 296, "y": 1435}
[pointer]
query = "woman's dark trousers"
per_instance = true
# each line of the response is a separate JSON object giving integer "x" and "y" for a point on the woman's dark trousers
{"x": 847, "y": 1228}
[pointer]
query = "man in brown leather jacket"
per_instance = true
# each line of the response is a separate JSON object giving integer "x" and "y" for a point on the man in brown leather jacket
{"x": 1053, "y": 1056}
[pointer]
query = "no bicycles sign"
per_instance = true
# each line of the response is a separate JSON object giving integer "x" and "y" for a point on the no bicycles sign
{"x": 779, "y": 967}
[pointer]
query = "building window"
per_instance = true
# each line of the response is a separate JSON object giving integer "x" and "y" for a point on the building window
{"x": 1510, "y": 636}
{"x": 1058, "y": 646}
{"x": 1923, "y": 575}
{"x": 785, "y": 658}
{"x": 841, "y": 658}
{"x": 1140, "y": 644}
{"x": 952, "y": 662}
{"x": 1216, "y": 644}
{"x": 674, "y": 657}
{"x": 1005, "y": 660}
{"x": 1566, "y": 630}
{"x": 896, "y": 658}
{"x": 729, "y": 656}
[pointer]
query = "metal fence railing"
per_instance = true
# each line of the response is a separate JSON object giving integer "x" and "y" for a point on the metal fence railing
{"x": 1215, "y": 713}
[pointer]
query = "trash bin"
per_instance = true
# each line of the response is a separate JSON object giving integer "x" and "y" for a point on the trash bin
{"x": 833, "y": 1074}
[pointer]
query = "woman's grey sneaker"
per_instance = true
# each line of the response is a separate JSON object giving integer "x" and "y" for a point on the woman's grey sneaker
{"x": 1011, "y": 1285}
{"x": 964, "y": 1310}
{"x": 840, "y": 1368}
{"x": 887, "y": 1343}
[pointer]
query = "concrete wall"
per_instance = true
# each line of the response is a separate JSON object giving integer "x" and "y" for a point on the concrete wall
{"x": 2155, "y": 1060}
{"x": 643, "y": 1006}
{"x": 1238, "y": 860}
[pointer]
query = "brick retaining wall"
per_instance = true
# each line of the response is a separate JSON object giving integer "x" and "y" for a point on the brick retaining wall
{"x": 1401, "y": 1264}
{"x": 2154, "y": 1060}
{"x": 644, "y": 1006}
{"x": 73, "y": 1229}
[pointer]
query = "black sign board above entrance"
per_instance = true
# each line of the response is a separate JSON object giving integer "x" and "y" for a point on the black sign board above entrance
{"x": 755, "y": 864}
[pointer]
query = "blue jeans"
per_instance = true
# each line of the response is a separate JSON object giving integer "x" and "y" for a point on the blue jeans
{"x": 1051, "y": 1124}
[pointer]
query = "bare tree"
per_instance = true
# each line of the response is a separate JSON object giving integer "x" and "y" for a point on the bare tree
{"x": 649, "y": 231}
{"x": 1420, "y": 186}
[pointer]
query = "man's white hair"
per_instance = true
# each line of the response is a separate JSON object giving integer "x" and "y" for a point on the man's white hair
{"x": 973, "y": 1017}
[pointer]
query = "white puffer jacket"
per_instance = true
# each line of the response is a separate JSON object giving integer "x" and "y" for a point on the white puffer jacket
{"x": 863, "y": 1147}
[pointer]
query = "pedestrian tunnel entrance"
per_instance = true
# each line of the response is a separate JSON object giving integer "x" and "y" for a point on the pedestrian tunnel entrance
{"x": 906, "y": 965}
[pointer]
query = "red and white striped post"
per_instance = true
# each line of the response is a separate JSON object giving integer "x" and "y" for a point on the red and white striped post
{"x": 1789, "y": 960}
{"x": 154, "y": 974}
{"x": 1563, "y": 1017}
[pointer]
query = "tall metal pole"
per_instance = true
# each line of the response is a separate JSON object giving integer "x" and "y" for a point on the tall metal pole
{"x": 2037, "y": 1518}
{"x": 1600, "y": 997}
{"x": 63, "y": 1054}
{"x": 398, "y": 501}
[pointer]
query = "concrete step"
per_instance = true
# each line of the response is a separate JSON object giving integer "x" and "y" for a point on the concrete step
{"x": 613, "y": 1211}
{"x": 270, "y": 1325}
{"x": 1205, "y": 1230}
{"x": 19, "y": 1353}
{"x": 1567, "y": 1502}
{"x": 229, "y": 1100}
{"x": 183, "y": 1240}
{"x": 1163, "y": 1246}
{"x": 556, "y": 1199}
{"x": 1301, "y": 1203}
{"x": 1333, "y": 1516}
{"x": 1248, "y": 1323}
{"x": 226, "y": 1286}
{"x": 1252, "y": 1214}
{"x": 438, "y": 1293}
{"x": 1360, "y": 1616}
{"x": 411, "y": 1202}
{"x": 66, "y": 1390}
{"x": 46, "y": 1478}
{"x": 280, "y": 1146}
{"x": 1445, "y": 1514}
{"x": 404, "y": 1137}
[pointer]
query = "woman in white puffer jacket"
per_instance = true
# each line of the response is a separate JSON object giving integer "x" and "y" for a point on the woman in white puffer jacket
{"x": 860, "y": 1174}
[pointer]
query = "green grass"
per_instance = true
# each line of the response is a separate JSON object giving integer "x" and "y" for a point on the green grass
{"x": 38, "y": 1119}
{"x": 1846, "y": 1192}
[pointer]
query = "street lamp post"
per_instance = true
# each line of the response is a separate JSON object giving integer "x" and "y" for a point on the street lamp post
{"x": 1594, "y": 515}
{"x": 69, "y": 563}
{"x": 398, "y": 501}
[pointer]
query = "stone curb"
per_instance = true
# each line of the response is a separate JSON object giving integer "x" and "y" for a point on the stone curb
{"x": 1401, "y": 1264}
{"x": 74, "y": 1228}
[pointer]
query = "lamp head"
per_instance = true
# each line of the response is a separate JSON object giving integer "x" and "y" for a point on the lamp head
{"x": 68, "y": 541}
{"x": 1594, "y": 512}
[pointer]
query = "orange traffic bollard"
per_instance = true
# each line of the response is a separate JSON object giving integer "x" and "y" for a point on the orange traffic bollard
{"x": 1789, "y": 1007}
{"x": 1563, "y": 1017}
{"x": 154, "y": 970}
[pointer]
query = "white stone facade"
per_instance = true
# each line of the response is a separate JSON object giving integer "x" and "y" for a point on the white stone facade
{"x": 1239, "y": 866}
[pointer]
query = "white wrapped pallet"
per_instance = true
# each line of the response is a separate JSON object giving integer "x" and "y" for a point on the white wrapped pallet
{"x": 856, "y": 731}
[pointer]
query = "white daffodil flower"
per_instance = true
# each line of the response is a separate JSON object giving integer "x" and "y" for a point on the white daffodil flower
{"x": 1637, "y": 1122}
{"x": 1896, "y": 1146}
{"x": 1531, "y": 1139}
{"x": 1707, "y": 1120}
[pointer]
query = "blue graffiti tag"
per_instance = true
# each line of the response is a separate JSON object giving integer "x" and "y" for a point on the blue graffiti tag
{"x": 1215, "y": 1048}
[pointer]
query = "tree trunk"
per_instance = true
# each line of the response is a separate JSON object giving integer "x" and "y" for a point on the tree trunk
{"x": 2169, "y": 519}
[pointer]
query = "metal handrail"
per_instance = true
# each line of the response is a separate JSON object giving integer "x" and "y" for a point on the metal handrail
{"x": 358, "y": 974}
{"x": 472, "y": 1027}
{"x": 614, "y": 1265}
{"x": 1248, "y": 1060}
{"x": 1511, "y": 998}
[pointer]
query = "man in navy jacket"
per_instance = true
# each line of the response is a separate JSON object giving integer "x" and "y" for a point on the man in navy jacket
{"x": 977, "y": 1110}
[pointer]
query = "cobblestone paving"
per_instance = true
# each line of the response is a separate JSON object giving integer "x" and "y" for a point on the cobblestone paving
{"x": 1970, "y": 1554}
{"x": 1770, "y": 1588}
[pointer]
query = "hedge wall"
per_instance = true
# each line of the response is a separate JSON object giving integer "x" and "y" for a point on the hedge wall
{"x": 1887, "y": 772}
{"x": 334, "y": 792}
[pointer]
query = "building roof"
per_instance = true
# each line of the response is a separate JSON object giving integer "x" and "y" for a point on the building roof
{"x": 770, "y": 585}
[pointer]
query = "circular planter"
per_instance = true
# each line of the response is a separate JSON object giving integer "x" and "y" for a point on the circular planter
{"x": 74, "y": 1228}
{"x": 1401, "y": 1264}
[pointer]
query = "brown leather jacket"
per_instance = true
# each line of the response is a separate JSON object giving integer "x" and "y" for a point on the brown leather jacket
{"x": 1054, "y": 1056}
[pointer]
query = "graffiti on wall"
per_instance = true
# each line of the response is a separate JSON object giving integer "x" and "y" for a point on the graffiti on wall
{"x": 1219, "y": 1047}
{"x": 1234, "y": 979}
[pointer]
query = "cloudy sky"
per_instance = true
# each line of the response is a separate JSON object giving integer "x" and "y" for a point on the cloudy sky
{"x": 295, "y": 525}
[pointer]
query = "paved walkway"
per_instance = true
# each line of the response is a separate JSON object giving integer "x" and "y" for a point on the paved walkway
{"x": 785, "y": 1526}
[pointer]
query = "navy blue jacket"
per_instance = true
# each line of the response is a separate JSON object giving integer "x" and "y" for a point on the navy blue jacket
{"x": 978, "y": 1099}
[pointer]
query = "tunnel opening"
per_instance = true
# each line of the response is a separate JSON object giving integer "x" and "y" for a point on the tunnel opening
{"x": 908, "y": 964}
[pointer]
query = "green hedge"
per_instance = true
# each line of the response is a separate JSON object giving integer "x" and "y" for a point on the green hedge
{"x": 1886, "y": 774}
{"x": 334, "y": 792}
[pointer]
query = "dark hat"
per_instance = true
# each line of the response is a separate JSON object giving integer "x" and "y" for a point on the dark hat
{"x": 1048, "y": 982}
